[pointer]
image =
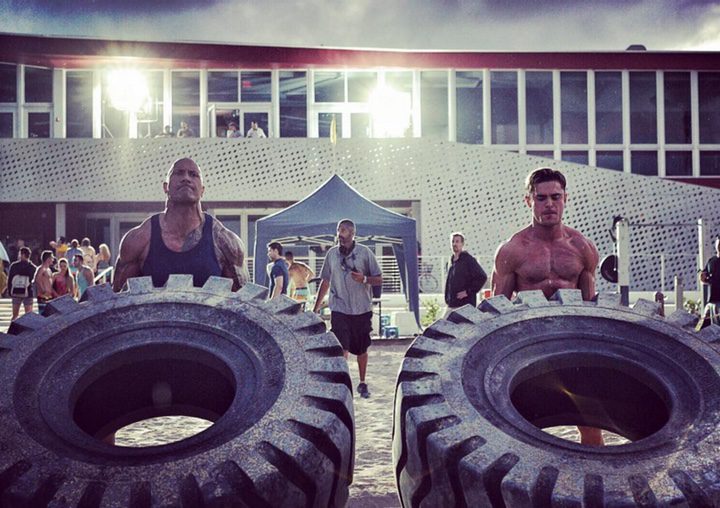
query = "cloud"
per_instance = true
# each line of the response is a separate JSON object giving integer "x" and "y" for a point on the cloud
{"x": 516, "y": 25}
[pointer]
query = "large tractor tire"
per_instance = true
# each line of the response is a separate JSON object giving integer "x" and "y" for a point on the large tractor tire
{"x": 475, "y": 391}
{"x": 272, "y": 380}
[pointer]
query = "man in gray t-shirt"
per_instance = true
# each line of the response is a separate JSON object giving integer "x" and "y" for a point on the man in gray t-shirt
{"x": 349, "y": 271}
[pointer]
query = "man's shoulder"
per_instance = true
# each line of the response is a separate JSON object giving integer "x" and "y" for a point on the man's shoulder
{"x": 228, "y": 242}
{"x": 364, "y": 249}
{"x": 578, "y": 239}
{"x": 518, "y": 241}
{"x": 466, "y": 256}
{"x": 141, "y": 232}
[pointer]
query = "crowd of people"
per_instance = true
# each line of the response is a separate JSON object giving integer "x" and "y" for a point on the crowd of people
{"x": 63, "y": 269}
{"x": 232, "y": 131}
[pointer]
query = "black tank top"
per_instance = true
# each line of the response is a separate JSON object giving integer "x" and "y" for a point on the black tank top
{"x": 200, "y": 261}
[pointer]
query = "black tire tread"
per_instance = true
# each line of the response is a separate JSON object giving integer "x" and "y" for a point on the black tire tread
{"x": 422, "y": 421}
{"x": 321, "y": 432}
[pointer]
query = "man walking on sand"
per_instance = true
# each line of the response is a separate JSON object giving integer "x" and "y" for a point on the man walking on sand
{"x": 349, "y": 272}
{"x": 547, "y": 254}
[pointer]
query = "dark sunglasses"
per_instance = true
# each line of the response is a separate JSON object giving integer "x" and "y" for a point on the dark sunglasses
{"x": 345, "y": 267}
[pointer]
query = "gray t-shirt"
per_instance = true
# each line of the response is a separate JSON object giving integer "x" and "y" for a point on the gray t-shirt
{"x": 346, "y": 295}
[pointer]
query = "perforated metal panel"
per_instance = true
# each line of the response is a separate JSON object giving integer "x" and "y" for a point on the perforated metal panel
{"x": 459, "y": 187}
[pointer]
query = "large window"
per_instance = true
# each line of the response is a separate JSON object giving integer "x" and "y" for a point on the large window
{"x": 79, "y": 104}
{"x": 504, "y": 107}
{"x": 223, "y": 86}
{"x": 573, "y": 104}
{"x": 360, "y": 86}
{"x": 608, "y": 107}
{"x": 709, "y": 98}
{"x": 677, "y": 107}
{"x": 578, "y": 157}
{"x": 150, "y": 120}
{"x": 325, "y": 121}
{"x": 710, "y": 163}
{"x": 255, "y": 86}
{"x": 8, "y": 83}
{"x": 434, "y": 104}
{"x": 539, "y": 107}
{"x": 643, "y": 108}
{"x": 609, "y": 159}
{"x": 401, "y": 82}
{"x": 293, "y": 104}
{"x": 186, "y": 101}
{"x": 678, "y": 163}
{"x": 38, "y": 84}
{"x": 469, "y": 106}
{"x": 6, "y": 125}
{"x": 329, "y": 87}
{"x": 644, "y": 162}
{"x": 38, "y": 125}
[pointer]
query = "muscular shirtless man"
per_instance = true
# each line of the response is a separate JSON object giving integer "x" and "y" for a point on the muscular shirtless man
{"x": 43, "y": 280}
{"x": 300, "y": 274}
{"x": 547, "y": 254}
{"x": 182, "y": 239}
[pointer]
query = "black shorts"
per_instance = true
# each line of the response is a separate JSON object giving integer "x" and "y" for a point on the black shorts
{"x": 353, "y": 331}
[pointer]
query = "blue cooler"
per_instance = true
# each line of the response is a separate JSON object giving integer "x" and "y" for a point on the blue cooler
{"x": 391, "y": 332}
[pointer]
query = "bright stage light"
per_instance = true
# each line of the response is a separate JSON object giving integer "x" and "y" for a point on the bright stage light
{"x": 128, "y": 90}
{"x": 390, "y": 112}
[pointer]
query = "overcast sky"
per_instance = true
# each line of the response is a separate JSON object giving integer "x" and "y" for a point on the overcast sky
{"x": 532, "y": 25}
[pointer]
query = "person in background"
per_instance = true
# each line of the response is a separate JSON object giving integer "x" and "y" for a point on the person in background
{"x": 233, "y": 131}
{"x": 60, "y": 247}
{"x": 349, "y": 271}
{"x": 185, "y": 131}
{"x": 166, "y": 133}
{"x": 255, "y": 132}
{"x": 102, "y": 261}
{"x": 465, "y": 276}
{"x": 20, "y": 280}
{"x": 710, "y": 275}
{"x": 88, "y": 253}
{"x": 279, "y": 278}
{"x": 300, "y": 274}
{"x": 85, "y": 277}
{"x": 63, "y": 282}
{"x": 43, "y": 280}
{"x": 70, "y": 254}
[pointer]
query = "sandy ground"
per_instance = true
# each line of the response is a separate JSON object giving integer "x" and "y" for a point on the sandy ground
{"x": 374, "y": 483}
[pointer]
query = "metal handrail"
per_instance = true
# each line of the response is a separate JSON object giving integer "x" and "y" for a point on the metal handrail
{"x": 101, "y": 275}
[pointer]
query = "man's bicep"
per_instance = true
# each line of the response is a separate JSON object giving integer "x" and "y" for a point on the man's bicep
{"x": 503, "y": 283}
{"x": 504, "y": 278}
{"x": 233, "y": 257}
{"x": 127, "y": 264}
{"x": 586, "y": 284}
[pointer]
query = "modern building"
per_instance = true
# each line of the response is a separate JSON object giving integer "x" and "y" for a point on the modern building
{"x": 104, "y": 106}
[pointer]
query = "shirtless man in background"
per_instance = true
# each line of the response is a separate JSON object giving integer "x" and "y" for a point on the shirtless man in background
{"x": 300, "y": 274}
{"x": 182, "y": 239}
{"x": 547, "y": 254}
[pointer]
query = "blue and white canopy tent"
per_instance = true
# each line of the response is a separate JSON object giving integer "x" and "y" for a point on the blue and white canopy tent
{"x": 315, "y": 218}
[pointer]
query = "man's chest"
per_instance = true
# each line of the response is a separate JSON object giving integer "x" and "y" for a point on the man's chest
{"x": 541, "y": 263}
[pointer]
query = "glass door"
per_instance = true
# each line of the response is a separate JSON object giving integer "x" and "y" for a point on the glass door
{"x": 39, "y": 124}
{"x": 236, "y": 120}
